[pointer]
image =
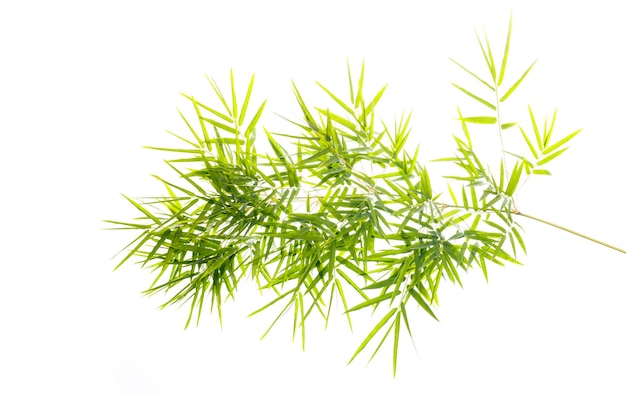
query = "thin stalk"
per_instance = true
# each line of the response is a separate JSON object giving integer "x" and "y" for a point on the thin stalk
{"x": 570, "y": 231}
{"x": 554, "y": 225}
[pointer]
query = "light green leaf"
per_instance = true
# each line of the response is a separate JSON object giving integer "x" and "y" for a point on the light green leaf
{"x": 372, "y": 302}
{"x": 514, "y": 179}
{"x": 374, "y": 331}
{"x": 244, "y": 107}
{"x": 517, "y": 83}
{"x": 550, "y": 157}
{"x": 396, "y": 342}
{"x": 418, "y": 298}
{"x": 143, "y": 210}
{"x": 530, "y": 145}
{"x": 233, "y": 95}
{"x": 560, "y": 143}
{"x": 507, "y": 125}
{"x": 471, "y": 95}
{"x": 480, "y": 120}
{"x": 473, "y": 75}
{"x": 506, "y": 51}
{"x": 255, "y": 120}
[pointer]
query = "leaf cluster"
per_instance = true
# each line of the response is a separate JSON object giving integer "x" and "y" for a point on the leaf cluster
{"x": 337, "y": 213}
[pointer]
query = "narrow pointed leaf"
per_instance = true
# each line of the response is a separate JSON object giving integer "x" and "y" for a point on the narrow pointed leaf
{"x": 471, "y": 95}
{"x": 550, "y": 157}
{"x": 506, "y": 51}
{"x": 480, "y": 120}
{"x": 473, "y": 75}
{"x": 246, "y": 101}
{"x": 374, "y": 331}
{"x": 517, "y": 83}
{"x": 560, "y": 143}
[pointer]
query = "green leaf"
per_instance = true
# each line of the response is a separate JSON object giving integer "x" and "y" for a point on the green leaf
{"x": 487, "y": 56}
{"x": 519, "y": 238}
{"x": 473, "y": 75}
{"x": 255, "y": 120}
{"x": 514, "y": 179}
{"x": 530, "y": 145}
{"x": 560, "y": 143}
{"x": 550, "y": 157}
{"x": 207, "y": 108}
{"x": 372, "y": 333}
{"x": 491, "y": 63}
{"x": 371, "y": 302}
{"x": 246, "y": 101}
{"x": 336, "y": 99}
{"x": 220, "y": 96}
{"x": 474, "y": 198}
{"x": 143, "y": 210}
{"x": 374, "y": 101}
{"x": 507, "y": 125}
{"x": 396, "y": 342}
{"x": 546, "y": 137}
{"x": 535, "y": 129}
{"x": 517, "y": 83}
{"x": 418, "y": 298}
{"x": 452, "y": 195}
{"x": 233, "y": 95}
{"x": 359, "y": 93}
{"x": 506, "y": 51}
{"x": 480, "y": 120}
{"x": 427, "y": 191}
{"x": 471, "y": 95}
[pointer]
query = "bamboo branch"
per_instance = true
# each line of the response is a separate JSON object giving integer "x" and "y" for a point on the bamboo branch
{"x": 570, "y": 231}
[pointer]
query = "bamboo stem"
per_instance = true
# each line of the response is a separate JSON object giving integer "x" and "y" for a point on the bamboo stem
{"x": 570, "y": 231}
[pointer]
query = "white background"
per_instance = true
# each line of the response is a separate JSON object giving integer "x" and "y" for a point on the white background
{"x": 84, "y": 85}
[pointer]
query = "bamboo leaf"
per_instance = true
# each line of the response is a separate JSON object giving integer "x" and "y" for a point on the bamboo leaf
{"x": 514, "y": 179}
{"x": 209, "y": 109}
{"x": 372, "y": 333}
{"x": 418, "y": 298}
{"x": 491, "y": 63}
{"x": 233, "y": 93}
{"x": 506, "y": 51}
{"x": 480, "y": 120}
{"x": 530, "y": 145}
{"x": 535, "y": 129}
{"x": 425, "y": 185}
{"x": 506, "y": 126}
{"x": 396, "y": 342}
{"x": 246, "y": 101}
{"x": 220, "y": 96}
{"x": 550, "y": 157}
{"x": 374, "y": 102}
{"x": 517, "y": 83}
{"x": 142, "y": 209}
{"x": 560, "y": 143}
{"x": 471, "y": 95}
{"x": 372, "y": 302}
{"x": 546, "y": 137}
{"x": 336, "y": 99}
{"x": 473, "y": 75}
{"x": 486, "y": 56}
{"x": 255, "y": 120}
